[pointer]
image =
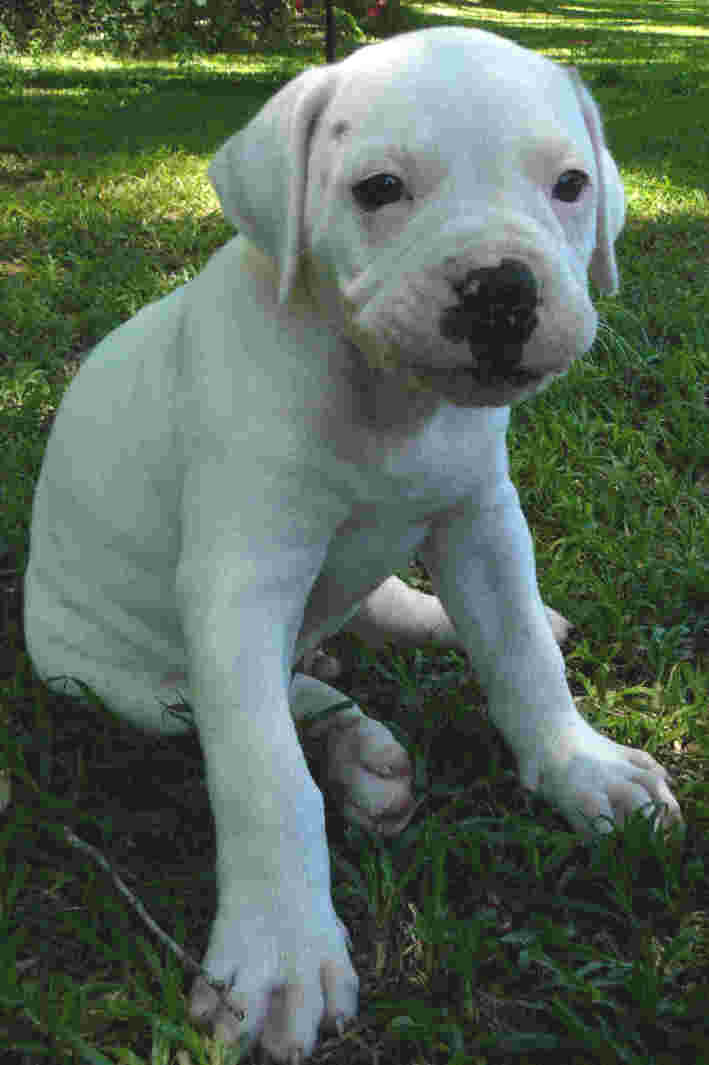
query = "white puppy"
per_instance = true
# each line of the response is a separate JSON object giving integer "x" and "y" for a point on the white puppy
{"x": 235, "y": 469}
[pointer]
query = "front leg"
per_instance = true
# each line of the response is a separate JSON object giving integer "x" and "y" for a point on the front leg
{"x": 482, "y": 562}
{"x": 276, "y": 939}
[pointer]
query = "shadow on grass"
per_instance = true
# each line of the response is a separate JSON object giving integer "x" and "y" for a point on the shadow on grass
{"x": 77, "y": 116}
{"x": 83, "y": 117}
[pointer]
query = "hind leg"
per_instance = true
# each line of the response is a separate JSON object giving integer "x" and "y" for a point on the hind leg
{"x": 396, "y": 613}
{"x": 367, "y": 772}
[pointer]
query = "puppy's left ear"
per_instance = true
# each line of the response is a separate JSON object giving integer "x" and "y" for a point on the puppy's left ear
{"x": 260, "y": 174}
{"x": 611, "y": 197}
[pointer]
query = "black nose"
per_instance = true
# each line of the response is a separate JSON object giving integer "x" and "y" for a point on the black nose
{"x": 496, "y": 312}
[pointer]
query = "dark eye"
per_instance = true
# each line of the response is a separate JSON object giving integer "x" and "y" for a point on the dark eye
{"x": 377, "y": 191}
{"x": 570, "y": 186}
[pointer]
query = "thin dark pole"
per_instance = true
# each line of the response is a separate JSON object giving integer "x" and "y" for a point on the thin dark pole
{"x": 329, "y": 32}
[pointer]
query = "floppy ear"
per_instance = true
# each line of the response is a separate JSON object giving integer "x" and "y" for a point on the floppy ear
{"x": 260, "y": 173}
{"x": 611, "y": 197}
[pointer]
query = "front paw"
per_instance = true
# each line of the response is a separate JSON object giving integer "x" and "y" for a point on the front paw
{"x": 288, "y": 973}
{"x": 597, "y": 783}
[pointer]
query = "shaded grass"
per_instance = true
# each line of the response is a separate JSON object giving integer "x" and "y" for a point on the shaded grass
{"x": 486, "y": 932}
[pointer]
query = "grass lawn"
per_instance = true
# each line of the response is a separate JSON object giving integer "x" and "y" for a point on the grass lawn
{"x": 487, "y": 932}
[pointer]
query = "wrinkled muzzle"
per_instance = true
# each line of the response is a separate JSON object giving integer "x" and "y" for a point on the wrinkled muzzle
{"x": 506, "y": 311}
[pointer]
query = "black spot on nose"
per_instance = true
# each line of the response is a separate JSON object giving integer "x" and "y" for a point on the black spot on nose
{"x": 495, "y": 313}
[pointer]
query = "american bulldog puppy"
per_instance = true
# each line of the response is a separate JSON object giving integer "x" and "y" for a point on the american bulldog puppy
{"x": 238, "y": 467}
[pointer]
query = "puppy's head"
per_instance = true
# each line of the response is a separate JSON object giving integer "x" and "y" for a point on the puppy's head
{"x": 444, "y": 195}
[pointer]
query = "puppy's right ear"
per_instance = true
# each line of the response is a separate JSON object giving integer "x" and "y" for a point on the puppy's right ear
{"x": 260, "y": 174}
{"x": 611, "y": 197}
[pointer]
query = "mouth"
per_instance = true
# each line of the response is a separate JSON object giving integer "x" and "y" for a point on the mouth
{"x": 487, "y": 372}
{"x": 483, "y": 384}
